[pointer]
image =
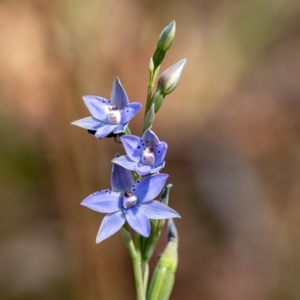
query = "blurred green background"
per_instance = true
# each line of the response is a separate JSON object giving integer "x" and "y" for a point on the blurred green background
{"x": 232, "y": 125}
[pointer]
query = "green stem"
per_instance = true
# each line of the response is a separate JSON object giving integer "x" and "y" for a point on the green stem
{"x": 149, "y": 92}
{"x": 144, "y": 264}
{"x": 127, "y": 130}
{"x": 145, "y": 272}
{"x": 152, "y": 78}
{"x": 136, "y": 262}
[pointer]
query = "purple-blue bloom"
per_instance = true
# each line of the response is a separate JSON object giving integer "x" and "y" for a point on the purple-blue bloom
{"x": 109, "y": 116}
{"x": 145, "y": 155}
{"x": 129, "y": 201}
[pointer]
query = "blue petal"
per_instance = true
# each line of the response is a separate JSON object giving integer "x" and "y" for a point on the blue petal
{"x": 88, "y": 123}
{"x": 96, "y": 105}
{"x": 150, "y": 138}
{"x": 130, "y": 111}
{"x": 142, "y": 169}
{"x": 118, "y": 95}
{"x": 160, "y": 148}
{"x": 147, "y": 188}
{"x": 121, "y": 179}
{"x": 158, "y": 168}
{"x": 105, "y": 201}
{"x": 120, "y": 128}
{"x": 160, "y": 152}
{"x": 158, "y": 211}
{"x": 111, "y": 223}
{"x": 125, "y": 162}
{"x": 138, "y": 221}
{"x": 105, "y": 130}
{"x": 133, "y": 146}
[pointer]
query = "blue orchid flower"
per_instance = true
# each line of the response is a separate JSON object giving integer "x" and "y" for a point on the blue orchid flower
{"x": 145, "y": 155}
{"x": 129, "y": 201}
{"x": 109, "y": 116}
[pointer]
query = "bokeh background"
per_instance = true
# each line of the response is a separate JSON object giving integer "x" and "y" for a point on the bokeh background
{"x": 232, "y": 125}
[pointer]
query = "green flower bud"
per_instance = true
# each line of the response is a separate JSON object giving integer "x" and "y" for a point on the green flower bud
{"x": 158, "y": 57}
{"x": 151, "y": 65}
{"x": 166, "y": 37}
{"x": 170, "y": 78}
{"x": 149, "y": 118}
{"x": 157, "y": 100}
{"x": 164, "y": 274}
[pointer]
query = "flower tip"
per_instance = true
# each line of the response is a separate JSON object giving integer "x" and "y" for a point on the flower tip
{"x": 175, "y": 214}
{"x": 172, "y": 27}
{"x": 183, "y": 61}
{"x": 116, "y": 86}
{"x": 146, "y": 234}
{"x": 77, "y": 123}
{"x": 85, "y": 98}
{"x": 98, "y": 240}
{"x": 165, "y": 176}
{"x": 83, "y": 203}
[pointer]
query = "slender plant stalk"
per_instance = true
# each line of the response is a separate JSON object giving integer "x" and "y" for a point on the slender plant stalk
{"x": 152, "y": 78}
{"x": 136, "y": 262}
{"x": 149, "y": 92}
{"x": 127, "y": 130}
{"x": 145, "y": 272}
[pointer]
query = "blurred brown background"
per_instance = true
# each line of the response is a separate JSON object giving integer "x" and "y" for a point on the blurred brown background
{"x": 232, "y": 125}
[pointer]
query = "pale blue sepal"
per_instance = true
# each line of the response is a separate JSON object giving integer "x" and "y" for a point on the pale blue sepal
{"x": 105, "y": 130}
{"x": 138, "y": 221}
{"x": 88, "y": 123}
{"x": 111, "y": 223}
{"x": 158, "y": 211}
{"x": 125, "y": 162}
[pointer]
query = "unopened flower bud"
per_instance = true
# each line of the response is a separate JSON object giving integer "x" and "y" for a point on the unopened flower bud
{"x": 164, "y": 274}
{"x": 149, "y": 118}
{"x": 164, "y": 43}
{"x": 157, "y": 100}
{"x": 151, "y": 65}
{"x": 166, "y": 37}
{"x": 170, "y": 78}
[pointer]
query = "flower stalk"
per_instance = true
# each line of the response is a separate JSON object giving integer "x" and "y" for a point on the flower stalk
{"x": 136, "y": 263}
